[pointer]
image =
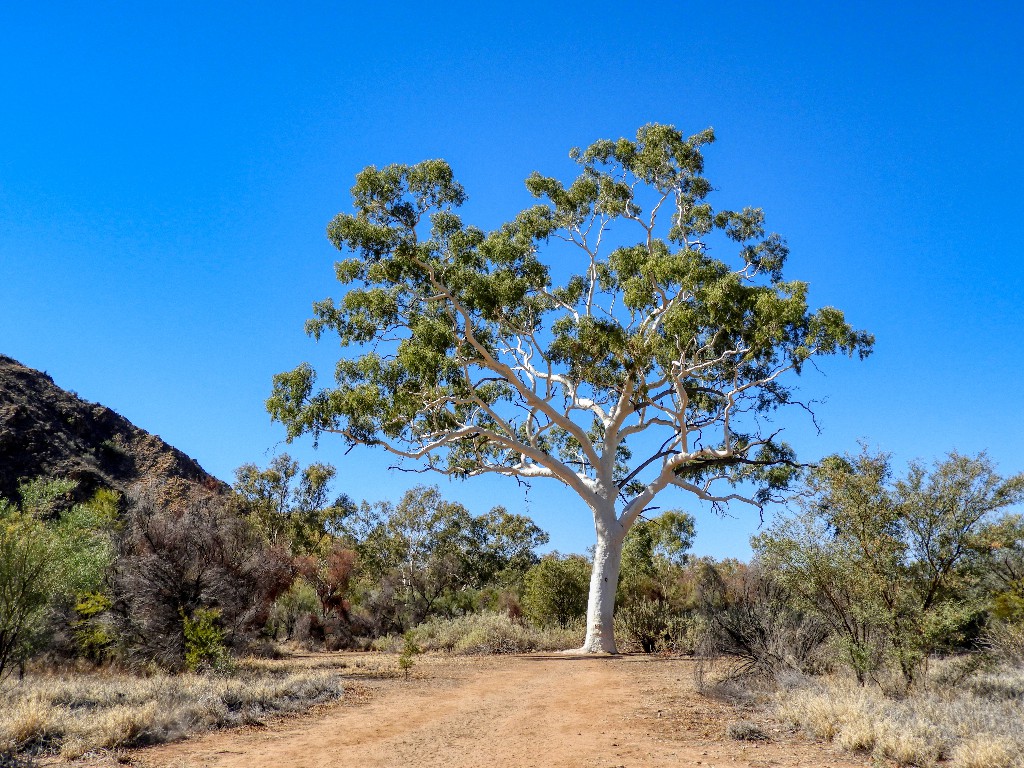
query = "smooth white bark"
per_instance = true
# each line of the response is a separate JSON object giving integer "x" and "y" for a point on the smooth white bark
{"x": 604, "y": 581}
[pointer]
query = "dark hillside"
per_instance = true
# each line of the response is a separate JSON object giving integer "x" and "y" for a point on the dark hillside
{"x": 47, "y": 431}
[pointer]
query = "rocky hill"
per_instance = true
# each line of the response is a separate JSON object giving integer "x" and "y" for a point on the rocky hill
{"x": 47, "y": 431}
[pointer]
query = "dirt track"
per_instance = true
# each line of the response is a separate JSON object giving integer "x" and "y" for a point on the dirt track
{"x": 520, "y": 711}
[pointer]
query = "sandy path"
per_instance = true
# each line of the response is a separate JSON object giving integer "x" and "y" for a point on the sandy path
{"x": 521, "y": 711}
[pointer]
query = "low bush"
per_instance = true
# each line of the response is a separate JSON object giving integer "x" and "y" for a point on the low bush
{"x": 291, "y": 612}
{"x": 486, "y": 633}
{"x": 744, "y": 730}
{"x": 555, "y": 590}
{"x": 649, "y": 626}
{"x": 1005, "y": 641}
{"x": 204, "y": 640}
{"x": 749, "y": 618}
{"x": 643, "y": 625}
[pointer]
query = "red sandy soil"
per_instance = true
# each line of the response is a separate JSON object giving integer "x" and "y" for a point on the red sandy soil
{"x": 538, "y": 710}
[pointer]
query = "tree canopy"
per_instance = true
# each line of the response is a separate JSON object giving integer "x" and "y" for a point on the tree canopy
{"x": 600, "y": 319}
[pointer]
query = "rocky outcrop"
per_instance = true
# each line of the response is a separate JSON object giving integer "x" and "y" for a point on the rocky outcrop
{"x": 48, "y": 431}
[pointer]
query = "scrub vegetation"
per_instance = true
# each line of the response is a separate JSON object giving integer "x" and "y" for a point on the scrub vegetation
{"x": 882, "y": 612}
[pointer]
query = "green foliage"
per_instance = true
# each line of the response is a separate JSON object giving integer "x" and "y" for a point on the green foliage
{"x": 83, "y": 544}
{"x": 555, "y": 590}
{"x": 892, "y": 565}
{"x": 1009, "y": 605}
{"x": 292, "y": 506}
{"x": 468, "y": 352}
{"x": 1002, "y": 543}
{"x": 428, "y": 556}
{"x": 94, "y": 635}
{"x": 204, "y": 640}
{"x": 653, "y": 547}
{"x": 42, "y": 498}
{"x": 505, "y": 545}
{"x": 27, "y": 583}
{"x": 409, "y": 651}
{"x": 46, "y": 556}
{"x": 301, "y": 599}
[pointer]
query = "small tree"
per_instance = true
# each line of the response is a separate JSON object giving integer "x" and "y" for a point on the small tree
{"x": 555, "y": 590}
{"x": 889, "y": 563}
{"x": 470, "y": 355}
{"x": 427, "y": 556}
{"x": 26, "y": 584}
{"x": 292, "y": 506}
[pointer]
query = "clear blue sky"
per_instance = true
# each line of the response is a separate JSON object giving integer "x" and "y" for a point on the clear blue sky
{"x": 167, "y": 171}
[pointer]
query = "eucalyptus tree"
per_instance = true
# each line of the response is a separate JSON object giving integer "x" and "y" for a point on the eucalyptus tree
{"x": 594, "y": 322}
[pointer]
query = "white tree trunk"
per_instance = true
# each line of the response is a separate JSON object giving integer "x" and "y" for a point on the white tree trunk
{"x": 604, "y": 581}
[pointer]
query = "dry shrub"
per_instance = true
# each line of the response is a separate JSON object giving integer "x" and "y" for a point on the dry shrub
{"x": 175, "y": 562}
{"x": 749, "y": 618}
{"x": 915, "y": 746}
{"x": 744, "y": 730}
{"x": 30, "y": 723}
{"x": 857, "y": 735}
{"x": 122, "y": 725}
{"x": 1005, "y": 640}
{"x": 653, "y": 626}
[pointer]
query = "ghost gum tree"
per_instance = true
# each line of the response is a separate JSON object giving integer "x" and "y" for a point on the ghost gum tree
{"x": 592, "y": 323}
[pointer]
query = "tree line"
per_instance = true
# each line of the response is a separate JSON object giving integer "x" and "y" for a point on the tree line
{"x": 866, "y": 568}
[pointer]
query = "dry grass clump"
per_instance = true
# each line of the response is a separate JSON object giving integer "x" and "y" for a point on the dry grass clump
{"x": 985, "y": 752}
{"x": 31, "y": 722}
{"x": 971, "y": 725}
{"x": 745, "y": 730}
{"x": 492, "y": 633}
{"x": 80, "y": 713}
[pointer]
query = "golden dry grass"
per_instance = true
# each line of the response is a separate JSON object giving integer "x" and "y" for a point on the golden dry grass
{"x": 75, "y": 713}
{"x": 974, "y": 724}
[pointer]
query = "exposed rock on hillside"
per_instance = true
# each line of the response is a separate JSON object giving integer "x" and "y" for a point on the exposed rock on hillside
{"x": 47, "y": 431}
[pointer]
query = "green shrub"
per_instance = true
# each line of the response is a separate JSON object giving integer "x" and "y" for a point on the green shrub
{"x": 94, "y": 636}
{"x": 46, "y": 557}
{"x": 299, "y": 601}
{"x": 555, "y": 590}
{"x": 409, "y": 651}
{"x": 892, "y": 565}
{"x": 204, "y": 640}
{"x": 26, "y": 585}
